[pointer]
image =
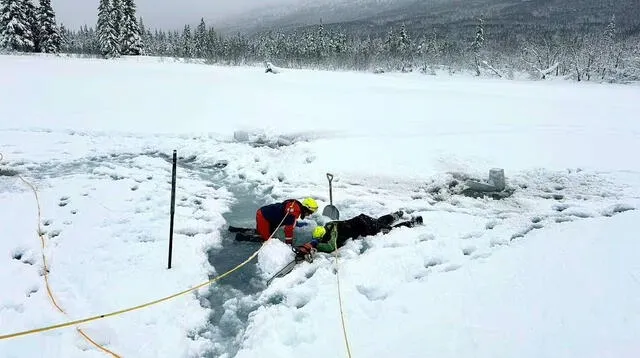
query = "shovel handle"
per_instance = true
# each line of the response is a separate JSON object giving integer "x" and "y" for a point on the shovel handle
{"x": 330, "y": 177}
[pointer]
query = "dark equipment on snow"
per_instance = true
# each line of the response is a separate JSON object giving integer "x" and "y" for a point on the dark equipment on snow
{"x": 330, "y": 210}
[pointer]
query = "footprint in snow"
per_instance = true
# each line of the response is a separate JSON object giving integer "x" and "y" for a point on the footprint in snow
{"x": 23, "y": 256}
{"x": 451, "y": 267}
{"x": 482, "y": 255}
{"x": 372, "y": 293}
{"x": 617, "y": 209}
{"x": 32, "y": 290}
{"x": 468, "y": 250}
{"x": 581, "y": 214}
{"x": 426, "y": 237}
{"x": 526, "y": 231}
{"x": 472, "y": 235}
{"x": 491, "y": 224}
{"x": 433, "y": 261}
{"x": 561, "y": 207}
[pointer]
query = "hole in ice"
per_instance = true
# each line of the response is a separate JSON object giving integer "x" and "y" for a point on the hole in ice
{"x": 233, "y": 298}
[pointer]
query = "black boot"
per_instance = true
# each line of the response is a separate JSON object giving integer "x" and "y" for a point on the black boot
{"x": 417, "y": 220}
{"x": 398, "y": 215}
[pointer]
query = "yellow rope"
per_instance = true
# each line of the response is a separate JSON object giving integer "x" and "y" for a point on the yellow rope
{"x": 46, "y": 270}
{"x": 344, "y": 329}
{"x": 102, "y": 316}
{"x": 106, "y": 315}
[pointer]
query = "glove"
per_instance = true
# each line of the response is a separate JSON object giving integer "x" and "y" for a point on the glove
{"x": 308, "y": 248}
{"x": 306, "y": 251}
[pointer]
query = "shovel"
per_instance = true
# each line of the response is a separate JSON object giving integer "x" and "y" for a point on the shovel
{"x": 330, "y": 210}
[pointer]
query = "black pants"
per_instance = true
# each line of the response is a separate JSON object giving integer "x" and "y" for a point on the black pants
{"x": 365, "y": 225}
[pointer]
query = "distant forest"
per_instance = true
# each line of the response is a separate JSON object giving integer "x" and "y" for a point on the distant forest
{"x": 585, "y": 52}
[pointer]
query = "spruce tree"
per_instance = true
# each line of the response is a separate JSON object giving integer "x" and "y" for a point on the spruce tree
{"x": 477, "y": 45}
{"x": 200, "y": 43}
{"x": 116, "y": 19}
{"x": 32, "y": 19}
{"x": 50, "y": 37}
{"x": 107, "y": 37}
{"x": 131, "y": 39}
{"x": 15, "y": 29}
{"x": 187, "y": 46}
{"x": 212, "y": 42}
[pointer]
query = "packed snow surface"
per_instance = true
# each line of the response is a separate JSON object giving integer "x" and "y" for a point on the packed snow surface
{"x": 549, "y": 271}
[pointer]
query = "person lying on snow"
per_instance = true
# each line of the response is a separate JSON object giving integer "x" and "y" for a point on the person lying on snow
{"x": 334, "y": 234}
{"x": 285, "y": 214}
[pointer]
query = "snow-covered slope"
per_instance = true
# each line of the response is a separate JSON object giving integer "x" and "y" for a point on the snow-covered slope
{"x": 548, "y": 271}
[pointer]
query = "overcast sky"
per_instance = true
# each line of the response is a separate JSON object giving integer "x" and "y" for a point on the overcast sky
{"x": 160, "y": 13}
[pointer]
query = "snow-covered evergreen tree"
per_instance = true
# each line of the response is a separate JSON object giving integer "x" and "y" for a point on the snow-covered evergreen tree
{"x": 212, "y": 43}
{"x": 187, "y": 42}
{"x": 34, "y": 23}
{"x": 107, "y": 35}
{"x": 200, "y": 40}
{"x": 405, "y": 49}
{"x": 50, "y": 38}
{"x": 611, "y": 53}
{"x": 477, "y": 45}
{"x": 147, "y": 37}
{"x": 117, "y": 16}
{"x": 130, "y": 32}
{"x": 15, "y": 27}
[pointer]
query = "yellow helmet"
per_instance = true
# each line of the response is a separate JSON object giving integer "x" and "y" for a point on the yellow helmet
{"x": 310, "y": 204}
{"x": 319, "y": 232}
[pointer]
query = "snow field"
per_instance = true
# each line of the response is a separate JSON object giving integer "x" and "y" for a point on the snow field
{"x": 545, "y": 272}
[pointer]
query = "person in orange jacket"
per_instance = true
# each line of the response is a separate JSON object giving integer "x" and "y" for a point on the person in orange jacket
{"x": 284, "y": 214}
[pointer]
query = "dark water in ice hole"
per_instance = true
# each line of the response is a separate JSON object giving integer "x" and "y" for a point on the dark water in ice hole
{"x": 227, "y": 323}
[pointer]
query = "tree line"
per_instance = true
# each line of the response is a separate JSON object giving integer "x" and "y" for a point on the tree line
{"x": 28, "y": 28}
{"x": 597, "y": 52}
